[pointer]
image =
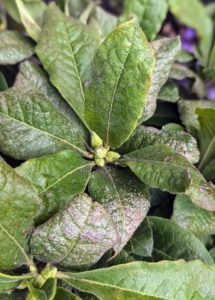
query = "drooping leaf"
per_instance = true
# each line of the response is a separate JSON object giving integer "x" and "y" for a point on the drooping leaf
{"x": 14, "y": 47}
{"x": 180, "y": 141}
{"x": 56, "y": 178}
{"x": 66, "y": 48}
{"x": 189, "y": 118}
{"x": 124, "y": 196}
{"x": 77, "y": 236}
{"x": 192, "y": 217}
{"x": 8, "y": 282}
{"x": 171, "y": 242}
{"x": 149, "y": 13}
{"x": 19, "y": 204}
{"x": 206, "y": 134}
{"x": 31, "y": 77}
{"x": 209, "y": 171}
{"x": 31, "y": 126}
{"x": 166, "y": 50}
{"x": 169, "y": 92}
{"x": 3, "y": 83}
{"x": 63, "y": 294}
{"x": 123, "y": 67}
{"x": 149, "y": 281}
{"x": 160, "y": 167}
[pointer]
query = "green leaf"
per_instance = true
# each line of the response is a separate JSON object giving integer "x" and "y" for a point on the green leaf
{"x": 19, "y": 204}
{"x": 181, "y": 242}
{"x": 141, "y": 243}
{"x": 8, "y": 282}
{"x": 77, "y": 236}
{"x": 192, "y": 217}
{"x": 206, "y": 135}
{"x": 209, "y": 171}
{"x": 56, "y": 178}
{"x": 120, "y": 84}
{"x": 33, "y": 77}
{"x": 166, "y": 50}
{"x": 198, "y": 19}
{"x": 212, "y": 253}
{"x": 180, "y": 141}
{"x": 66, "y": 49}
{"x": 148, "y": 281}
{"x": 189, "y": 118}
{"x": 108, "y": 260}
{"x": 150, "y": 14}
{"x": 3, "y": 83}
{"x": 184, "y": 57}
{"x": 31, "y": 126}
{"x": 14, "y": 47}
{"x": 180, "y": 72}
{"x": 63, "y": 294}
{"x": 36, "y": 293}
{"x": 124, "y": 196}
{"x": 172, "y": 126}
{"x": 169, "y": 92}
{"x": 50, "y": 287}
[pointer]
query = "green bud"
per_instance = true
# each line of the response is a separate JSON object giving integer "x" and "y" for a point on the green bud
{"x": 100, "y": 162}
{"x": 100, "y": 152}
{"x": 112, "y": 156}
{"x": 37, "y": 281}
{"x": 48, "y": 272}
{"x": 95, "y": 140}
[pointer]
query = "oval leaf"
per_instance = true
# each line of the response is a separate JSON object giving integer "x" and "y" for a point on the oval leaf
{"x": 8, "y": 282}
{"x": 123, "y": 67}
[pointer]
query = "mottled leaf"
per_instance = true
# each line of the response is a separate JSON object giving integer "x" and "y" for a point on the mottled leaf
{"x": 171, "y": 242}
{"x": 66, "y": 48}
{"x": 189, "y": 118}
{"x": 206, "y": 134}
{"x": 123, "y": 67}
{"x": 195, "y": 16}
{"x": 31, "y": 126}
{"x": 149, "y": 13}
{"x": 209, "y": 171}
{"x": 77, "y": 236}
{"x": 56, "y": 178}
{"x": 180, "y": 141}
{"x": 192, "y": 217}
{"x": 149, "y": 281}
{"x": 63, "y": 294}
{"x": 124, "y": 196}
{"x": 169, "y": 92}
{"x": 19, "y": 204}
{"x": 14, "y": 47}
{"x": 8, "y": 282}
{"x": 166, "y": 50}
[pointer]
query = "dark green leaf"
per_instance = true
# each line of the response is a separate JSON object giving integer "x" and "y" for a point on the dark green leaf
{"x": 124, "y": 196}
{"x": 57, "y": 179}
{"x": 14, "y": 47}
{"x": 50, "y": 287}
{"x": 179, "y": 141}
{"x": 149, "y": 281}
{"x": 120, "y": 84}
{"x": 66, "y": 49}
{"x": 8, "y": 282}
{"x": 166, "y": 50}
{"x": 212, "y": 253}
{"x": 77, "y": 236}
{"x": 122, "y": 258}
{"x": 171, "y": 242}
{"x": 192, "y": 217}
{"x": 150, "y": 14}
{"x": 63, "y": 294}
{"x": 209, "y": 171}
{"x": 3, "y": 82}
{"x": 36, "y": 293}
{"x": 19, "y": 204}
{"x": 169, "y": 92}
{"x": 31, "y": 126}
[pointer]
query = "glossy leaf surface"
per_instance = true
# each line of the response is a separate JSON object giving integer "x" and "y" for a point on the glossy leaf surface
{"x": 123, "y": 67}
{"x": 124, "y": 196}
{"x": 77, "y": 236}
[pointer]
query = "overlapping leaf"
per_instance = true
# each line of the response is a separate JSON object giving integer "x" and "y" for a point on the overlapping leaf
{"x": 169, "y": 92}
{"x": 124, "y": 196}
{"x": 192, "y": 217}
{"x": 179, "y": 141}
{"x": 123, "y": 67}
{"x": 62, "y": 294}
{"x": 140, "y": 280}
{"x": 77, "y": 236}
{"x": 149, "y": 13}
{"x": 209, "y": 171}
{"x": 66, "y": 48}
{"x": 57, "y": 179}
{"x": 166, "y": 50}
{"x": 14, "y": 47}
{"x": 19, "y": 204}
{"x": 31, "y": 126}
{"x": 8, "y": 282}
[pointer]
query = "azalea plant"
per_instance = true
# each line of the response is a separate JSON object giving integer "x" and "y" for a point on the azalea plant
{"x": 110, "y": 193}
